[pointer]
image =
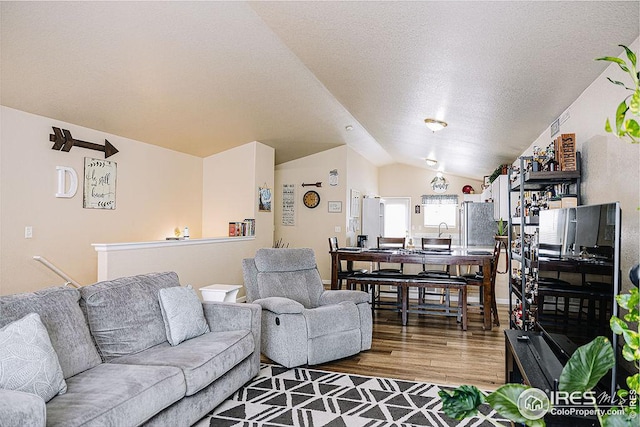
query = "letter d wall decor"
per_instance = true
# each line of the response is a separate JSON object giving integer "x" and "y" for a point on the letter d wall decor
{"x": 63, "y": 191}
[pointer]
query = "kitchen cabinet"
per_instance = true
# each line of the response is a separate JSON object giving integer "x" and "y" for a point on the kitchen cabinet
{"x": 500, "y": 195}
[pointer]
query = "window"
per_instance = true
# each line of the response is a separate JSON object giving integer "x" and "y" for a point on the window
{"x": 396, "y": 216}
{"x": 439, "y": 209}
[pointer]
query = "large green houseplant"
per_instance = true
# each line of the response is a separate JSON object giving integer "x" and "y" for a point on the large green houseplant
{"x": 582, "y": 372}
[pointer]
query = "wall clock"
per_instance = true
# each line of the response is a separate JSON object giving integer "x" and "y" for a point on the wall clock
{"x": 311, "y": 199}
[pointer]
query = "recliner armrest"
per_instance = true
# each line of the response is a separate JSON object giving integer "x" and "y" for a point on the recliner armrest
{"x": 336, "y": 297}
{"x": 279, "y": 305}
{"x": 18, "y": 408}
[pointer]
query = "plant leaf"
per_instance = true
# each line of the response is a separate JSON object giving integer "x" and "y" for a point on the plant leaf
{"x": 630, "y": 54}
{"x": 632, "y": 127}
{"x": 607, "y": 126}
{"x": 634, "y": 383}
{"x": 616, "y": 82}
{"x": 634, "y": 103}
{"x": 618, "y": 61}
{"x": 620, "y": 113}
{"x": 623, "y": 300}
{"x": 587, "y": 365}
{"x": 462, "y": 402}
{"x": 619, "y": 420}
{"x": 505, "y": 401}
{"x": 627, "y": 353}
{"x": 617, "y": 325}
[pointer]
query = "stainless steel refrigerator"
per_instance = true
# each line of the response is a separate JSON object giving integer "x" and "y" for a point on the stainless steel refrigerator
{"x": 372, "y": 220}
{"x": 478, "y": 227}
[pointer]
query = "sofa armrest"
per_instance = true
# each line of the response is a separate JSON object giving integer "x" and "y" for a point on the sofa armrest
{"x": 18, "y": 408}
{"x": 336, "y": 297}
{"x": 225, "y": 316}
{"x": 231, "y": 316}
{"x": 279, "y": 305}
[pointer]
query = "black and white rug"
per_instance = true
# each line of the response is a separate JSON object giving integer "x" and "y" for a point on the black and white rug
{"x": 312, "y": 398}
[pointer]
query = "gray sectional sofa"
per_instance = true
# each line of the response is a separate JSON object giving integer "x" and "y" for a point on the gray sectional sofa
{"x": 119, "y": 369}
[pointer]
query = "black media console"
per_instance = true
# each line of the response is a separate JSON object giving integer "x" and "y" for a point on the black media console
{"x": 530, "y": 360}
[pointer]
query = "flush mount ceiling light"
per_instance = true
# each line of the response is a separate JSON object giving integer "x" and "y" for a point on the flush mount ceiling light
{"x": 435, "y": 125}
{"x": 348, "y": 128}
{"x": 431, "y": 162}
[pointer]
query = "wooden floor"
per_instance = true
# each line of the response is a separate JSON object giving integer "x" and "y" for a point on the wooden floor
{"x": 431, "y": 349}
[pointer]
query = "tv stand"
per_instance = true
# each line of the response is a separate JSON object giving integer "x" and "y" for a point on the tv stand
{"x": 531, "y": 361}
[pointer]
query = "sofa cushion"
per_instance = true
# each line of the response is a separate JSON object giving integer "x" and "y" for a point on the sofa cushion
{"x": 182, "y": 314}
{"x": 124, "y": 314}
{"x": 60, "y": 313}
{"x": 28, "y": 362}
{"x": 202, "y": 359}
{"x": 116, "y": 395}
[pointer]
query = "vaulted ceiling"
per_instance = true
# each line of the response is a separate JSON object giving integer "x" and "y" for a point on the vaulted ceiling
{"x": 202, "y": 77}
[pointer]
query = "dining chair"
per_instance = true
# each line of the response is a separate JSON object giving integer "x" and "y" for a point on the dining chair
{"x": 477, "y": 280}
{"x": 378, "y": 291}
{"x": 435, "y": 244}
{"x": 343, "y": 274}
{"x": 390, "y": 243}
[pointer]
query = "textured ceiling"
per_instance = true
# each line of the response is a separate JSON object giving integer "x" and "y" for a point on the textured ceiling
{"x": 202, "y": 77}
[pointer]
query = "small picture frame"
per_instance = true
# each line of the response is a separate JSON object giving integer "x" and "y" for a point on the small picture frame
{"x": 486, "y": 181}
{"x": 334, "y": 207}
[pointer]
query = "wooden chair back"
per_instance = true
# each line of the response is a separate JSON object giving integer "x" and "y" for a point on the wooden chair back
{"x": 333, "y": 244}
{"x": 436, "y": 243}
{"x": 391, "y": 242}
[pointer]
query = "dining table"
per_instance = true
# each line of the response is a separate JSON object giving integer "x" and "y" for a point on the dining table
{"x": 479, "y": 256}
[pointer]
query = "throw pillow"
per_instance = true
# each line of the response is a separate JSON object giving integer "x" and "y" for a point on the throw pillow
{"x": 182, "y": 314}
{"x": 28, "y": 361}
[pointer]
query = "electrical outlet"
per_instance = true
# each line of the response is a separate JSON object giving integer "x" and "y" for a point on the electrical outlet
{"x": 337, "y": 229}
{"x": 28, "y": 232}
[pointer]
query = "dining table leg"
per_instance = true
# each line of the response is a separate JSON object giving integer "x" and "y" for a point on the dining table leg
{"x": 334, "y": 270}
{"x": 404, "y": 295}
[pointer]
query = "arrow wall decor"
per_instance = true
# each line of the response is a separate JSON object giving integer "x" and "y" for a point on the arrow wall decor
{"x": 62, "y": 140}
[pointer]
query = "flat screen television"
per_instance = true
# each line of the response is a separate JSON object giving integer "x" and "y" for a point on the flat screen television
{"x": 579, "y": 277}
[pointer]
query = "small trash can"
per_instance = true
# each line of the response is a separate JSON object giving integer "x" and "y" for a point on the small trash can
{"x": 225, "y": 293}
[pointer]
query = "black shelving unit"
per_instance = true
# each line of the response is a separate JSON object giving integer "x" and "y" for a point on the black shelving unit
{"x": 522, "y": 250}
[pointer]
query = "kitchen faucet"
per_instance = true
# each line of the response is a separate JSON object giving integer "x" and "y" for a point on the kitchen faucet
{"x": 439, "y": 225}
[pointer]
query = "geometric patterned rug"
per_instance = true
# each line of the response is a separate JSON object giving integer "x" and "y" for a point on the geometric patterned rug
{"x": 304, "y": 397}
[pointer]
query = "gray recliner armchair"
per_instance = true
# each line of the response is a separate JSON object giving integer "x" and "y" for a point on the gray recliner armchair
{"x": 302, "y": 323}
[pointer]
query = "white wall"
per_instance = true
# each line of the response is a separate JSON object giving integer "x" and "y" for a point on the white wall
{"x": 408, "y": 181}
{"x": 362, "y": 176}
{"x": 228, "y": 189}
{"x": 230, "y": 193}
{"x": 314, "y": 226}
{"x": 610, "y": 167}
{"x": 157, "y": 191}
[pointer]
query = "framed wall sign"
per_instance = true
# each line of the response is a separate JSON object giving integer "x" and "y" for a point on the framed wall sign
{"x": 288, "y": 204}
{"x": 99, "y": 184}
{"x": 264, "y": 199}
{"x": 335, "y": 207}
